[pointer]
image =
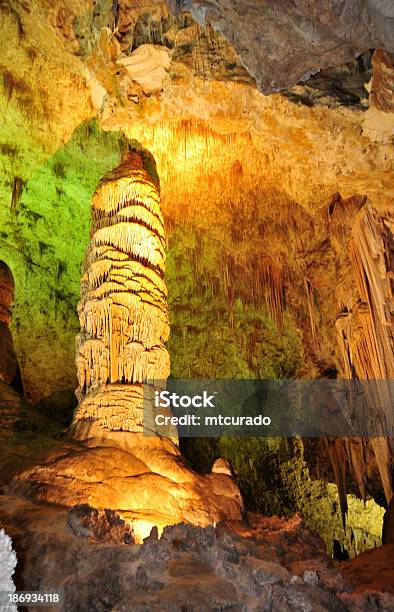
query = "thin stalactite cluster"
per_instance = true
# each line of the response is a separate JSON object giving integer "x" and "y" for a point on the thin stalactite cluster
{"x": 123, "y": 306}
{"x": 366, "y": 343}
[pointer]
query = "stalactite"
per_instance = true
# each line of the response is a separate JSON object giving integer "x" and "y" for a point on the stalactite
{"x": 369, "y": 256}
{"x": 311, "y": 310}
{"x": 356, "y": 451}
{"x": 365, "y": 333}
{"x": 268, "y": 285}
{"x": 17, "y": 189}
{"x": 123, "y": 306}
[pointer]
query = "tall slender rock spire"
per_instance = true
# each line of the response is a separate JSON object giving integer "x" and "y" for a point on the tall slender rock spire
{"x": 123, "y": 307}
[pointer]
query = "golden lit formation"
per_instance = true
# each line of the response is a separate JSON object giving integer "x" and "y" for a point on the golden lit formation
{"x": 123, "y": 306}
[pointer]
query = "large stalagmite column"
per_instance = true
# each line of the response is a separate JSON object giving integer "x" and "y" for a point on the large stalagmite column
{"x": 124, "y": 328}
{"x": 123, "y": 306}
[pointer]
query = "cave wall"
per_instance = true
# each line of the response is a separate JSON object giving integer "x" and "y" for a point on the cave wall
{"x": 275, "y": 479}
{"x": 44, "y": 231}
{"x": 39, "y": 113}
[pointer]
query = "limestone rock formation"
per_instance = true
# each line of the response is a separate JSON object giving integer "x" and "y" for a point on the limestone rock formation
{"x": 147, "y": 483}
{"x": 262, "y": 564}
{"x": 365, "y": 328}
{"x": 213, "y": 134}
{"x": 123, "y": 309}
{"x": 345, "y": 85}
{"x": 12, "y": 407}
{"x": 11, "y": 404}
{"x": 103, "y": 525}
{"x": 361, "y": 242}
{"x": 282, "y": 43}
{"x": 148, "y": 66}
{"x": 369, "y": 572}
{"x": 388, "y": 525}
{"x": 371, "y": 354}
{"x": 382, "y": 87}
{"x": 379, "y": 118}
{"x": 121, "y": 355}
{"x": 309, "y": 152}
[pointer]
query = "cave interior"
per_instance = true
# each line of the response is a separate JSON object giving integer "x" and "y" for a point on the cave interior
{"x": 194, "y": 190}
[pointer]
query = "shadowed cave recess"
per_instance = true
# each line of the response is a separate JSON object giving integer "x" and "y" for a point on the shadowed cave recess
{"x": 194, "y": 190}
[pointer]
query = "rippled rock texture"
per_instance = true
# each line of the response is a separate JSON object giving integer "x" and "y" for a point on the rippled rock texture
{"x": 123, "y": 307}
{"x": 147, "y": 482}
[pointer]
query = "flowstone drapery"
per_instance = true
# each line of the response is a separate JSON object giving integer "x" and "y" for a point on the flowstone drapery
{"x": 366, "y": 343}
{"x": 123, "y": 306}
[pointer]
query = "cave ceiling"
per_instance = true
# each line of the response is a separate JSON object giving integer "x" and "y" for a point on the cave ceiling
{"x": 150, "y": 63}
{"x": 281, "y": 43}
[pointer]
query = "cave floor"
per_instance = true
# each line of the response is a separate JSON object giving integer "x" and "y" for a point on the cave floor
{"x": 261, "y": 563}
